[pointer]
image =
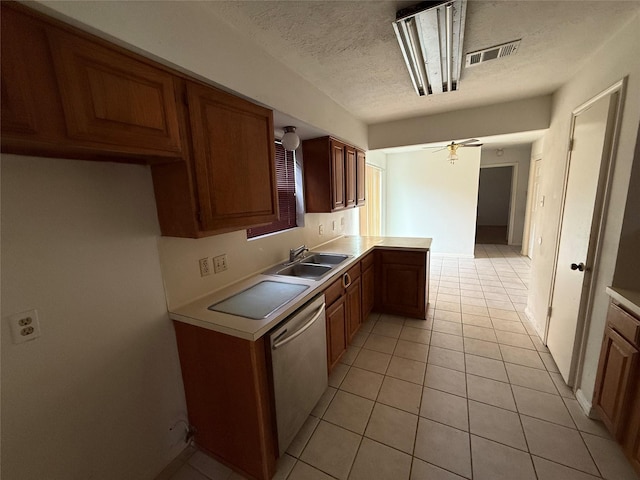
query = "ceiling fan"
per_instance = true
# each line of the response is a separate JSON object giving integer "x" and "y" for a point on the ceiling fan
{"x": 453, "y": 148}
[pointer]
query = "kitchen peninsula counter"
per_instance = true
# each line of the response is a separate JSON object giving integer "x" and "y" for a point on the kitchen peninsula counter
{"x": 197, "y": 313}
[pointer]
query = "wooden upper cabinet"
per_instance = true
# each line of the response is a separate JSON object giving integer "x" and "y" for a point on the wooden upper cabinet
{"x": 234, "y": 159}
{"x": 360, "y": 178}
{"x": 31, "y": 112}
{"x": 338, "y": 162}
{"x": 350, "y": 166}
{"x": 113, "y": 101}
{"x": 331, "y": 175}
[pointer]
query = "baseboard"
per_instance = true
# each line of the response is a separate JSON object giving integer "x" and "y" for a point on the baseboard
{"x": 453, "y": 255}
{"x": 532, "y": 321}
{"x": 585, "y": 404}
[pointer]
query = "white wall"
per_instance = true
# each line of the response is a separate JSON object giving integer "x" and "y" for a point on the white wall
{"x": 95, "y": 395}
{"x": 521, "y": 156}
{"x": 428, "y": 197}
{"x": 614, "y": 60}
{"x": 511, "y": 117}
{"x": 191, "y": 37}
{"x": 494, "y": 196}
{"x": 628, "y": 263}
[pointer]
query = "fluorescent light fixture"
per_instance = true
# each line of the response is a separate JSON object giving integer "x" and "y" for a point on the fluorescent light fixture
{"x": 430, "y": 35}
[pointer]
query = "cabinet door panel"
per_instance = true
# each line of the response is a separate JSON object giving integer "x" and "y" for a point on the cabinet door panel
{"x": 336, "y": 331}
{"x": 30, "y": 110}
{"x": 401, "y": 282}
{"x": 350, "y": 177}
{"x": 354, "y": 302}
{"x": 337, "y": 175}
{"x": 368, "y": 292}
{"x": 234, "y": 159}
{"x": 360, "y": 178}
{"x": 616, "y": 376}
{"x": 112, "y": 99}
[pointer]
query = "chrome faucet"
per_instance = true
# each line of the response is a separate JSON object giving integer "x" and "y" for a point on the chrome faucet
{"x": 294, "y": 253}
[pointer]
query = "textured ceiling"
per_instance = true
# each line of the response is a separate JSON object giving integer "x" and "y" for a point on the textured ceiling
{"x": 348, "y": 50}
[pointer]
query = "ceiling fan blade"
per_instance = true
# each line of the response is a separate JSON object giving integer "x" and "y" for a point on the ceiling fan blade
{"x": 436, "y": 146}
{"x": 471, "y": 140}
{"x": 440, "y": 149}
{"x": 475, "y": 145}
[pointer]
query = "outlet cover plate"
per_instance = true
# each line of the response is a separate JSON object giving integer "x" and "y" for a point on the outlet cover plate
{"x": 25, "y": 326}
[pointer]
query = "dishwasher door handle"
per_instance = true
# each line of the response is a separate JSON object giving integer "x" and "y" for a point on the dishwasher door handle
{"x": 301, "y": 330}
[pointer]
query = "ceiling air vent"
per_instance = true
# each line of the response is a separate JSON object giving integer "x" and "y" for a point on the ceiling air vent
{"x": 499, "y": 51}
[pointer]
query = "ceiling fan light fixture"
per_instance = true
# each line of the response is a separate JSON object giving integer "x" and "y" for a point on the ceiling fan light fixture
{"x": 430, "y": 36}
{"x": 453, "y": 153}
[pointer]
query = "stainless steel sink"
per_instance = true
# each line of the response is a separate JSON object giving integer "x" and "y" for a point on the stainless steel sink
{"x": 325, "y": 258}
{"x": 305, "y": 270}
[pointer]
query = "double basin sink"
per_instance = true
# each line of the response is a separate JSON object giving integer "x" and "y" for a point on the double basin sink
{"x": 314, "y": 267}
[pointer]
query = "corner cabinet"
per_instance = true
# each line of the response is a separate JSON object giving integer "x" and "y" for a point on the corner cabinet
{"x": 69, "y": 94}
{"x": 227, "y": 388}
{"x": 617, "y": 390}
{"x": 334, "y": 175}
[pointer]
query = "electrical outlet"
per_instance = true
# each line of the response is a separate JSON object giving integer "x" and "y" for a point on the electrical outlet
{"x": 205, "y": 268}
{"x": 320, "y": 229}
{"x": 220, "y": 263}
{"x": 24, "y": 326}
{"x": 333, "y": 225}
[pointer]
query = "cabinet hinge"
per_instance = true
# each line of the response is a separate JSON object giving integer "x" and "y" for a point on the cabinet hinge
{"x": 571, "y": 145}
{"x": 549, "y": 311}
{"x": 185, "y": 99}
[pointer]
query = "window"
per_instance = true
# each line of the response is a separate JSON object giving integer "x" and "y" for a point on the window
{"x": 285, "y": 177}
{"x": 371, "y": 213}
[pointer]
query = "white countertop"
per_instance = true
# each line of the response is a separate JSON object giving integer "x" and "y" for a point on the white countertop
{"x": 627, "y": 298}
{"x": 197, "y": 313}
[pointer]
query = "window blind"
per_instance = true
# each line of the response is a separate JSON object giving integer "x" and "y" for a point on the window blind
{"x": 286, "y": 181}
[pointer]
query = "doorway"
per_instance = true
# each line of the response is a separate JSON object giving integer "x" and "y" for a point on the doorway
{"x": 495, "y": 192}
{"x": 585, "y": 196}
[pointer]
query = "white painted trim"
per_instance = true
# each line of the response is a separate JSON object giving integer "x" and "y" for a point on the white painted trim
{"x": 585, "y": 404}
{"x": 528, "y": 216}
{"x": 602, "y": 202}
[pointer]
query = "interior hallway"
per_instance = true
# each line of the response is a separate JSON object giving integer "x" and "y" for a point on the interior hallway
{"x": 469, "y": 393}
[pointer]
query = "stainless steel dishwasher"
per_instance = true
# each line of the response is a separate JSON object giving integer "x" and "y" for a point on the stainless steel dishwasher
{"x": 299, "y": 363}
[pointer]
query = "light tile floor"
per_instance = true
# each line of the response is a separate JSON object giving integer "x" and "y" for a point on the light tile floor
{"x": 469, "y": 393}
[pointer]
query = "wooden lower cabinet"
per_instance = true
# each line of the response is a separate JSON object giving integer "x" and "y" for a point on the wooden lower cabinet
{"x": 336, "y": 331}
{"x": 616, "y": 374}
{"x": 226, "y": 383}
{"x": 617, "y": 390}
{"x": 354, "y": 308}
{"x": 402, "y": 282}
{"x": 344, "y": 313}
{"x": 368, "y": 292}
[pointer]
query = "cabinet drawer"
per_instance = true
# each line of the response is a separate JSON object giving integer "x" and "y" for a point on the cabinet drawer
{"x": 333, "y": 291}
{"x": 367, "y": 261}
{"x": 402, "y": 257}
{"x": 624, "y": 323}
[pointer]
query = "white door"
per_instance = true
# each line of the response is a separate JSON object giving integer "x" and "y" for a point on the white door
{"x": 571, "y": 285}
{"x": 534, "y": 206}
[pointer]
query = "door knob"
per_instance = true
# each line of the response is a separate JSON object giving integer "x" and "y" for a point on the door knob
{"x": 578, "y": 266}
